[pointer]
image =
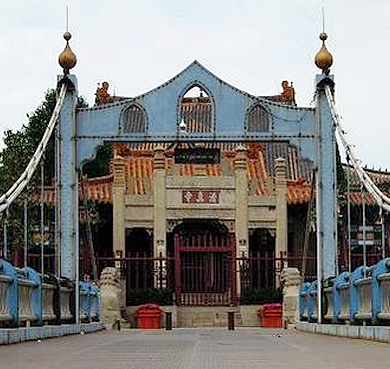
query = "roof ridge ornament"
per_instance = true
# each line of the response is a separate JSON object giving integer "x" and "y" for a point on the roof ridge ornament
{"x": 324, "y": 58}
{"x": 67, "y": 58}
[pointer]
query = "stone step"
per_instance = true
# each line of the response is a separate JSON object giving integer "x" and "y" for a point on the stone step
{"x": 198, "y": 317}
{"x": 201, "y": 316}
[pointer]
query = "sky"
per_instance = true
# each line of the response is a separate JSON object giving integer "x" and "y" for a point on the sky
{"x": 251, "y": 44}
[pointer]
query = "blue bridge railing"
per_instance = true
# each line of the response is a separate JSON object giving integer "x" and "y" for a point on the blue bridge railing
{"x": 359, "y": 297}
{"x": 27, "y": 298}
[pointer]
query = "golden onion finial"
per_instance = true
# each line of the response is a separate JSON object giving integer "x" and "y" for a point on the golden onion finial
{"x": 324, "y": 58}
{"x": 67, "y": 58}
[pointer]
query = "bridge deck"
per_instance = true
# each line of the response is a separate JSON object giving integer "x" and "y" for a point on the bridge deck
{"x": 197, "y": 348}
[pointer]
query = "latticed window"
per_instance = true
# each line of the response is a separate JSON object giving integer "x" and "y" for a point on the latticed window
{"x": 258, "y": 119}
{"x": 134, "y": 120}
{"x": 196, "y": 111}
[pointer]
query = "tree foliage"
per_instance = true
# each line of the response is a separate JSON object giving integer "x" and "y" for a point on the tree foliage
{"x": 100, "y": 165}
{"x": 19, "y": 146}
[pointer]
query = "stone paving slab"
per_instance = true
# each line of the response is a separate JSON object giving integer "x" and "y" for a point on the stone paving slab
{"x": 197, "y": 348}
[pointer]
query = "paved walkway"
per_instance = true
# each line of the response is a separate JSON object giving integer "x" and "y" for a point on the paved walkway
{"x": 197, "y": 348}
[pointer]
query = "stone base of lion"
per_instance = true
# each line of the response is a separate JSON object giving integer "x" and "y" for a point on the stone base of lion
{"x": 112, "y": 297}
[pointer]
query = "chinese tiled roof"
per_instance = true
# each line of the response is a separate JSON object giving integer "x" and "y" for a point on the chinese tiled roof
{"x": 197, "y": 114}
{"x": 97, "y": 189}
{"x": 379, "y": 177}
{"x": 299, "y": 192}
{"x": 261, "y": 157}
{"x": 357, "y": 198}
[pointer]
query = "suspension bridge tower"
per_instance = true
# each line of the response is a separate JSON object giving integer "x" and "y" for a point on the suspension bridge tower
{"x": 312, "y": 134}
{"x": 326, "y": 179}
{"x": 69, "y": 186}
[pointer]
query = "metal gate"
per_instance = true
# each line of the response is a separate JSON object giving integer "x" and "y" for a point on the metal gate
{"x": 205, "y": 269}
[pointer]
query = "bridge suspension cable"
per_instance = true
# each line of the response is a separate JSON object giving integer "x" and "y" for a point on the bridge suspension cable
{"x": 7, "y": 199}
{"x": 380, "y": 198}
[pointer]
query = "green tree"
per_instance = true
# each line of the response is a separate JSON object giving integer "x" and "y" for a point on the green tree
{"x": 14, "y": 158}
{"x": 21, "y": 145}
{"x": 100, "y": 165}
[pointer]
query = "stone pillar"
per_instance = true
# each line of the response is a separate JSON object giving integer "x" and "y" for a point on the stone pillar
{"x": 160, "y": 230}
{"x": 241, "y": 216}
{"x": 291, "y": 284}
{"x": 281, "y": 214}
{"x": 119, "y": 207}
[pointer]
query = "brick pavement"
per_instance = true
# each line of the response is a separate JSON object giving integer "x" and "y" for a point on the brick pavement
{"x": 197, "y": 348}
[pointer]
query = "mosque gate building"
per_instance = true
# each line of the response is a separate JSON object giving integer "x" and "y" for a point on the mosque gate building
{"x": 207, "y": 204}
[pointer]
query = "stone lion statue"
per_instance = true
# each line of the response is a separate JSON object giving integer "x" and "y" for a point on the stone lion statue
{"x": 291, "y": 281}
{"x": 111, "y": 298}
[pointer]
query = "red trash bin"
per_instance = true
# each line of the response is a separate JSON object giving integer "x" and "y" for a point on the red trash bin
{"x": 149, "y": 316}
{"x": 271, "y": 315}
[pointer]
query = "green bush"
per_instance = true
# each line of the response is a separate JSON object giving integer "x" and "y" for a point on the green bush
{"x": 260, "y": 295}
{"x": 159, "y": 296}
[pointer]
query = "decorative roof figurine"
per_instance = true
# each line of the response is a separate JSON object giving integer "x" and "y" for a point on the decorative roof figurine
{"x": 67, "y": 58}
{"x": 288, "y": 94}
{"x": 102, "y": 96}
{"x": 324, "y": 58}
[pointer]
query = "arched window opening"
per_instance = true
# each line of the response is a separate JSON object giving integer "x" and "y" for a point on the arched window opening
{"x": 196, "y": 111}
{"x": 258, "y": 119}
{"x": 134, "y": 120}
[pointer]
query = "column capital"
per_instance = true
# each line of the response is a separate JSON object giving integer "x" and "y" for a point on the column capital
{"x": 159, "y": 157}
{"x": 118, "y": 161}
{"x": 280, "y": 168}
{"x": 159, "y": 149}
{"x": 241, "y": 157}
{"x": 119, "y": 171}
